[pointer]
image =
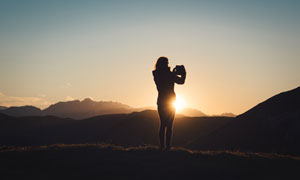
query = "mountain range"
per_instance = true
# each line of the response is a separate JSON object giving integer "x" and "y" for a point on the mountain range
{"x": 71, "y": 109}
{"x": 84, "y": 109}
{"x": 271, "y": 126}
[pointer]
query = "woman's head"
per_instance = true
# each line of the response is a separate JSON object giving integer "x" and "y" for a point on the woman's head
{"x": 162, "y": 63}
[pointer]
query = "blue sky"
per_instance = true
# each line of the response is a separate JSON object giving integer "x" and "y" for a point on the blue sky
{"x": 237, "y": 53}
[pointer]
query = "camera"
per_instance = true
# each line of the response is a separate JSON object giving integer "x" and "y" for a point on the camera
{"x": 179, "y": 70}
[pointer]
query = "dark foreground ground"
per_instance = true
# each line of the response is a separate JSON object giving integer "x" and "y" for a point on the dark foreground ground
{"x": 112, "y": 162}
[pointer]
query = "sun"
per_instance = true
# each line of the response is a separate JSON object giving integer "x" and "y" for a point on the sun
{"x": 180, "y": 103}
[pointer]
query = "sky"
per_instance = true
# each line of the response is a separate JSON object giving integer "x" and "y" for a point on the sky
{"x": 236, "y": 53}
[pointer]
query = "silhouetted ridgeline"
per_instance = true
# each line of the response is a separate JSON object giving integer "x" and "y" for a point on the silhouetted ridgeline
{"x": 86, "y": 108}
{"x": 124, "y": 129}
{"x": 22, "y": 111}
{"x": 104, "y": 161}
{"x": 192, "y": 112}
{"x": 72, "y": 109}
{"x": 271, "y": 126}
{"x": 83, "y": 109}
{"x": 2, "y": 107}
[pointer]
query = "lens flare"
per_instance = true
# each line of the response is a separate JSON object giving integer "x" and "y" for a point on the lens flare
{"x": 180, "y": 103}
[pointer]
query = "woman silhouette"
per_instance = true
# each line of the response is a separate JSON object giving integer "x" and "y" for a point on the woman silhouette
{"x": 164, "y": 79}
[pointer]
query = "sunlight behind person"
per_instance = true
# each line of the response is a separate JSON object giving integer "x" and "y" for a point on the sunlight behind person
{"x": 180, "y": 103}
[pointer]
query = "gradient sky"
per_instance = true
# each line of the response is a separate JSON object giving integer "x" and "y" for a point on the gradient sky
{"x": 237, "y": 53}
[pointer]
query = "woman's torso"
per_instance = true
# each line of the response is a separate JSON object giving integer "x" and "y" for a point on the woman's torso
{"x": 165, "y": 86}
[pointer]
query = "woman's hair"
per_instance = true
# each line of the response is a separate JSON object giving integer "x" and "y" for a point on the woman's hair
{"x": 162, "y": 63}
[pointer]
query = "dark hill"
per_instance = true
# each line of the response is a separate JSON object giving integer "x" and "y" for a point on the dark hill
{"x": 92, "y": 161}
{"x": 5, "y": 117}
{"x": 271, "y": 126}
{"x": 22, "y": 111}
{"x": 125, "y": 129}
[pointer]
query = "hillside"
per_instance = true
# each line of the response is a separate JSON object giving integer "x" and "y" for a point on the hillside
{"x": 271, "y": 126}
{"x": 102, "y": 161}
{"x": 22, "y": 111}
{"x": 124, "y": 129}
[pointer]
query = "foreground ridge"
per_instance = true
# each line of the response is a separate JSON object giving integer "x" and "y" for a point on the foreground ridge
{"x": 108, "y": 161}
{"x": 144, "y": 148}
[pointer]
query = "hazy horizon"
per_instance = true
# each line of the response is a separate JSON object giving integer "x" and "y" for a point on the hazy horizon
{"x": 237, "y": 54}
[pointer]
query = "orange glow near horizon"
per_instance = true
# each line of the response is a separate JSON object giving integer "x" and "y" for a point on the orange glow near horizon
{"x": 233, "y": 60}
{"x": 180, "y": 103}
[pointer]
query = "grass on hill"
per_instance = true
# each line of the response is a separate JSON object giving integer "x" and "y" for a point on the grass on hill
{"x": 106, "y": 161}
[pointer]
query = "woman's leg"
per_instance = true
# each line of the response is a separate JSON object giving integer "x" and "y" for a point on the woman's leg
{"x": 163, "y": 125}
{"x": 170, "y": 128}
{"x": 162, "y": 132}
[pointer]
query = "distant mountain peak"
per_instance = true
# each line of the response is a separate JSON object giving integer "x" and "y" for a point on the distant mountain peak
{"x": 87, "y": 100}
{"x": 191, "y": 112}
{"x": 86, "y": 108}
{"x": 227, "y": 114}
{"x": 24, "y": 107}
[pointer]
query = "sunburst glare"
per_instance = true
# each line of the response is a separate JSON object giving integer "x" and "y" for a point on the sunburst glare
{"x": 180, "y": 103}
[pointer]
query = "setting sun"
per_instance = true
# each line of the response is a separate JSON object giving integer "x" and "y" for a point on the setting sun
{"x": 180, "y": 103}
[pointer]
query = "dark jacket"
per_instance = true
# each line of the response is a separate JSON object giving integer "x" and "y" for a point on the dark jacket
{"x": 164, "y": 81}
